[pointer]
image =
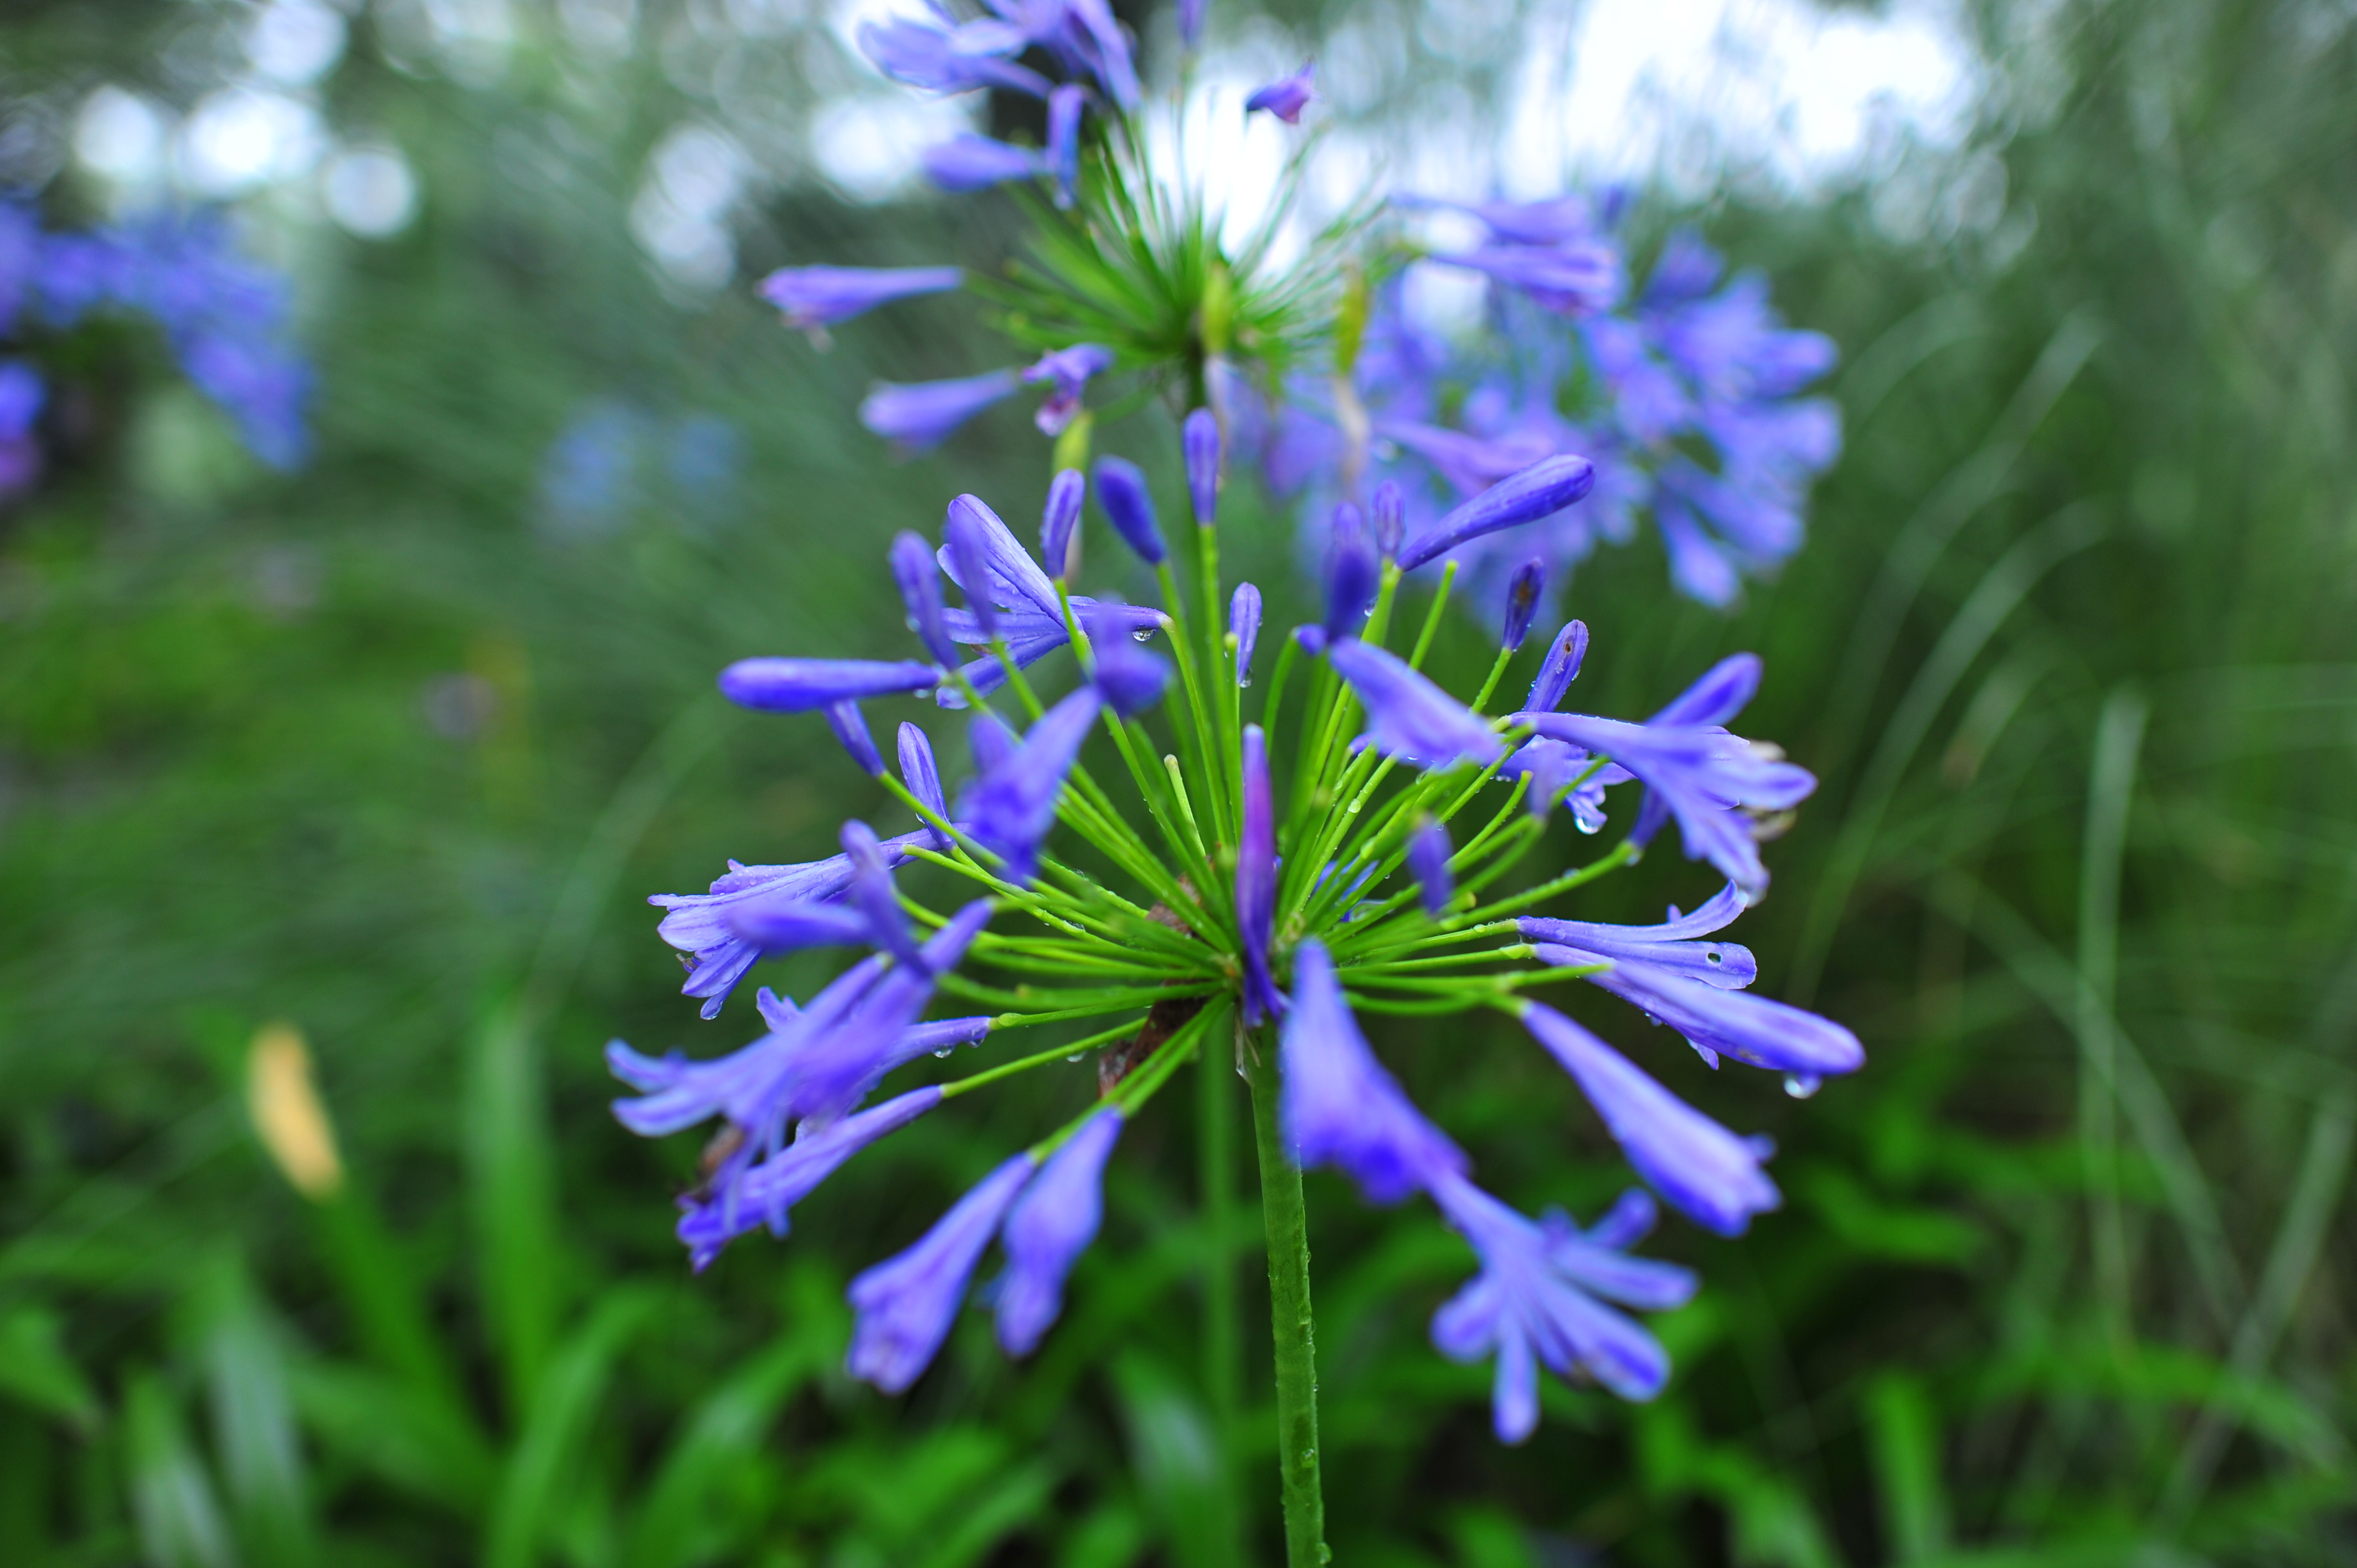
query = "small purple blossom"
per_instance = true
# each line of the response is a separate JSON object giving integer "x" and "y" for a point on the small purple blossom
{"x": 1573, "y": 279}
{"x": 1408, "y": 718}
{"x": 1428, "y": 861}
{"x": 1064, "y": 107}
{"x": 954, "y": 59}
{"x": 872, "y": 890}
{"x": 1243, "y": 625}
{"x": 1564, "y": 656}
{"x": 1286, "y": 97}
{"x": 1674, "y": 948}
{"x": 1557, "y": 221}
{"x": 924, "y": 777}
{"x": 1709, "y": 1173}
{"x": 1351, "y": 574}
{"x": 925, "y": 413}
{"x": 1069, "y": 370}
{"x": 989, "y": 741}
{"x": 1129, "y": 507}
{"x": 1552, "y": 765}
{"x": 905, "y": 1305}
{"x": 1542, "y": 488}
{"x": 1710, "y": 780}
{"x": 1013, "y": 805}
{"x": 1048, "y": 1228}
{"x": 1059, "y": 520}
{"x": 1190, "y": 21}
{"x": 919, "y": 583}
{"x": 1200, "y": 440}
{"x": 767, "y": 1191}
{"x": 800, "y": 686}
{"x": 965, "y": 551}
{"x": 1256, "y": 881}
{"x": 1387, "y": 519}
{"x": 968, "y": 163}
{"x": 851, "y": 729}
{"x": 815, "y": 297}
{"x": 1523, "y": 592}
{"x": 1529, "y": 1307}
{"x": 842, "y": 1063}
{"x": 1337, "y": 1104}
{"x": 1759, "y": 1030}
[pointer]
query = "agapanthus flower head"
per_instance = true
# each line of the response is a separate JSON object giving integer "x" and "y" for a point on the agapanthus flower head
{"x": 1206, "y": 946}
{"x": 1286, "y": 97}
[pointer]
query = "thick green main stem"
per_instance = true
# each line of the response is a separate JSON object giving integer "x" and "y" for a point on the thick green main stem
{"x": 1287, "y": 1221}
{"x": 1222, "y": 1345}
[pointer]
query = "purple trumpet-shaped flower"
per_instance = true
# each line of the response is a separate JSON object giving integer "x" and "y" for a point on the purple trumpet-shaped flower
{"x": 1069, "y": 369}
{"x": 1559, "y": 221}
{"x": 1288, "y": 96}
{"x": 906, "y": 1303}
{"x": 1564, "y": 656}
{"x": 1542, "y": 488}
{"x": 1523, "y": 591}
{"x": 1129, "y": 507}
{"x": 1337, "y": 1104}
{"x": 1759, "y": 1030}
{"x": 873, "y": 893}
{"x": 773, "y": 928}
{"x": 968, "y": 163}
{"x": 1408, "y": 718}
{"x": 924, "y": 777}
{"x": 1200, "y": 438}
{"x": 1243, "y": 625}
{"x": 1059, "y": 520}
{"x": 749, "y": 1088}
{"x": 920, "y": 590}
{"x": 1387, "y": 519}
{"x": 926, "y": 413}
{"x": 703, "y": 924}
{"x": 1048, "y": 1228}
{"x": 990, "y": 741}
{"x": 1190, "y": 21}
{"x": 1711, "y": 782}
{"x": 1672, "y": 948}
{"x": 1552, "y": 765}
{"x": 1064, "y": 107}
{"x": 817, "y": 298}
{"x": 1130, "y": 679}
{"x": 955, "y": 60}
{"x": 1530, "y": 1305}
{"x": 1352, "y": 573}
{"x": 1572, "y": 279}
{"x": 799, "y": 685}
{"x": 1597, "y": 1259}
{"x": 840, "y": 1065}
{"x": 851, "y": 729}
{"x": 1428, "y": 862}
{"x": 1256, "y": 881}
{"x": 966, "y": 548}
{"x": 1012, "y": 807}
{"x": 767, "y": 1191}
{"x": 1709, "y": 1173}
{"x": 1028, "y": 611}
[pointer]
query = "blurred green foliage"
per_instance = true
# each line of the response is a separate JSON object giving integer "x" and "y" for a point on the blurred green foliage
{"x": 2063, "y": 1278}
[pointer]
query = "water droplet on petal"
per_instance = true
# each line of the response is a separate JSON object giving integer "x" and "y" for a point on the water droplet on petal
{"x": 1243, "y": 681}
{"x": 1146, "y": 636}
{"x": 944, "y": 1053}
{"x": 1801, "y": 1085}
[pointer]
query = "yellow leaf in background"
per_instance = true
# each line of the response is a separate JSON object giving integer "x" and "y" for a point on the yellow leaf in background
{"x": 287, "y": 1116}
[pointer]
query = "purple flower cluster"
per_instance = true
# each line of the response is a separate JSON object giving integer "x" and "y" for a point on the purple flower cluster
{"x": 224, "y": 317}
{"x": 1685, "y": 399}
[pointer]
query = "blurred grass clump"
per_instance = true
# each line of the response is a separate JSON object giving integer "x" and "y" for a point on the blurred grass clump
{"x": 392, "y": 749}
